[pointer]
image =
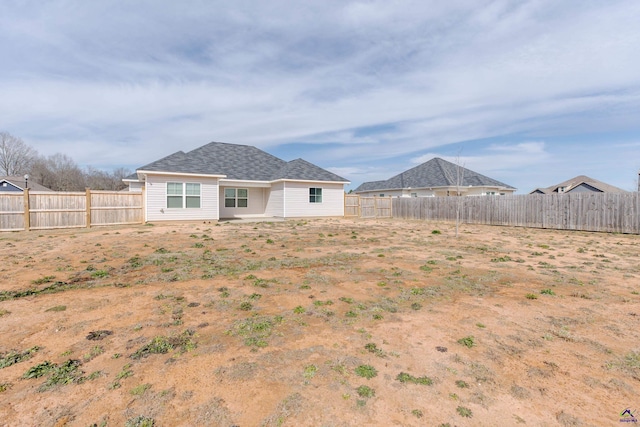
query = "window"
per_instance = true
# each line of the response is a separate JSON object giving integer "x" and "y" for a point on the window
{"x": 192, "y": 195}
{"x": 490, "y": 193}
{"x": 381, "y": 194}
{"x": 315, "y": 195}
{"x": 183, "y": 195}
{"x": 414, "y": 194}
{"x": 236, "y": 197}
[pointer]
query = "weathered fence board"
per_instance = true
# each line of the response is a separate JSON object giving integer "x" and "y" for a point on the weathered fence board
{"x": 367, "y": 207}
{"x": 49, "y": 210}
{"x": 606, "y": 212}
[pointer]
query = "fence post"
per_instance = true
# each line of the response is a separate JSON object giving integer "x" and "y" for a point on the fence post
{"x": 88, "y": 205}
{"x": 144, "y": 203}
{"x": 27, "y": 209}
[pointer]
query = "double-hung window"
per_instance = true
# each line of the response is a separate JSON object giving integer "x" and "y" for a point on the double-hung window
{"x": 315, "y": 195}
{"x": 236, "y": 197}
{"x": 182, "y": 195}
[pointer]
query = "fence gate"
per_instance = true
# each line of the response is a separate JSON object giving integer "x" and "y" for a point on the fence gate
{"x": 367, "y": 207}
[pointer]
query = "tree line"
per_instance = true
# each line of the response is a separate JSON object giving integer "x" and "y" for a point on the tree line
{"x": 58, "y": 172}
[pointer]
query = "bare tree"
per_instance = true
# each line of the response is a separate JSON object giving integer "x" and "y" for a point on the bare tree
{"x": 58, "y": 172}
{"x": 15, "y": 155}
{"x": 101, "y": 180}
{"x": 457, "y": 178}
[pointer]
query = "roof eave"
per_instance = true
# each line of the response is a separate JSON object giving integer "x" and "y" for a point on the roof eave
{"x": 148, "y": 172}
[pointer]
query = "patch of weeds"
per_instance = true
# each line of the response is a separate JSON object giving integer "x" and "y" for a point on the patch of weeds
{"x": 426, "y": 268}
{"x": 373, "y": 348}
{"x": 377, "y": 316}
{"x": 403, "y": 377}
{"x": 351, "y": 313}
{"x": 67, "y": 373}
{"x": 13, "y": 357}
{"x": 135, "y": 262}
{"x": 93, "y": 353}
{"x": 99, "y": 274}
{"x": 319, "y": 303}
{"x": 255, "y": 330}
{"x": 140, "y": 421}
{"x": 4, "y": 387}
{"x": 366, "y": 391}
{"x": 346, "y": 299}
{"x": 4, "y": 312}
{"x": 366, "y": 371}
{"x": 161, "y": 251}
{"x": 416, "y": 306}
{"x": 198, "y": 245}
{"x": 505, "y": 258}
{"x": 480, "y": 325}
{"x": 39, "y": 370}
{"x": 436, "y": 232}
{"x": 246, "y": 306}
{"x": 467, "y": 341}
{"x": 270, "y": 241}
{"x": 417, "y": 413}
{"x": 304, "y": 287}
{"x": 464, "y": 412}
{"x": 140, "y": 390}
{"x": 162, "y": 345}
{"x": 299, "y": 310}
{"x": 310, "y": 371}
{"x": 547, "y": 292}
{"x": 94, "y": 375}
{"x": 462, "y": 384}
{"x": 57, "y": 308}
{"x": 531, "y": 296}
{"x": 42, "y": 280}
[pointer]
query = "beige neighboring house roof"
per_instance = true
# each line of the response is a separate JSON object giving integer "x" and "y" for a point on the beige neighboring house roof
{"x": 18, "y": 182}
{"x": 577, "y": 184}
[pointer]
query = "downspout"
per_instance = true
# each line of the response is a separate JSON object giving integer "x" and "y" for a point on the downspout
{"x": 284, "y": 199}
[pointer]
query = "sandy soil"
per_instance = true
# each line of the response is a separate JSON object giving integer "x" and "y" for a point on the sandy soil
{"x": 280, "y": 323}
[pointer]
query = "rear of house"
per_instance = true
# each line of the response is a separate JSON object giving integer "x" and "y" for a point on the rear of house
{"x": 220, "y": 180}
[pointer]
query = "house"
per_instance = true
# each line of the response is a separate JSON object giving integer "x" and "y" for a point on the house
{"x": 221, "y": 180}
{"x": 579, "y": 184}
{"x": 437, "y": 177}
{"x": 17, "y": 184}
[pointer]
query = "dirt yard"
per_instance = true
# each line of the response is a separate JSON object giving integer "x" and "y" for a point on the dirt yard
{"x": 325, "y": 322}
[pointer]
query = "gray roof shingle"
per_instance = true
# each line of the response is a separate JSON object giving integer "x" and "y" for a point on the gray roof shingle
{"x": 241, "y": 162}
{"x": 18, "y": 181}
{"x": 570, "y": 184}
{"x": 434, "y": 173}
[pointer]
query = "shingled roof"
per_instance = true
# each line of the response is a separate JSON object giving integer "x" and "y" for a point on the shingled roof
{"x": 241, "y": 162}
{"x": 580, "y": 180}
{"x": 432, "y": 174}
{"x": 18, "y": 181}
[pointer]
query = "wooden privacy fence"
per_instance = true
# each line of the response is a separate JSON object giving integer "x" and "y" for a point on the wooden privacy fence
{"x": 48, "y": 209}
{"x": 607, "y": 212}
{"x": 367, "y": 207}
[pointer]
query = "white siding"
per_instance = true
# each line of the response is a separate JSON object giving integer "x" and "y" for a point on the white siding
{"x": 275, "y": 200}
{"x": 256, "y": 203}
{"x": 297, "y": 200}
{"x": 135, "y": 187}
{"x": 156, "y": 199}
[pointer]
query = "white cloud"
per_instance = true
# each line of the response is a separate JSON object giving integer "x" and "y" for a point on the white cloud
{"x": 111, "y": 81}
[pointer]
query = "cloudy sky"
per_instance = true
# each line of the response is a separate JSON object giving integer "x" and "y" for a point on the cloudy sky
{"x": 527, "y": 92}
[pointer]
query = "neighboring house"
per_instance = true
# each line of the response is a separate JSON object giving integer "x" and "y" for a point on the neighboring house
{"x": 579, "y": 184}
{"x": 17, "y": 184}
{"x": 220, "y": 180}
{"x": 437, "y": 177}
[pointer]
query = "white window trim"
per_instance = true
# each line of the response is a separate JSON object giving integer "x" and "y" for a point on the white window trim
{"x": 235, "y": 198}
{"x": 183, "y": 195}
{"x": 316, "y": 196}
